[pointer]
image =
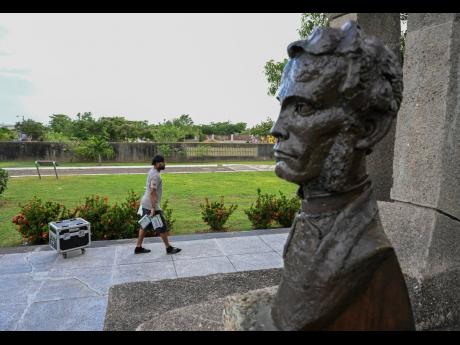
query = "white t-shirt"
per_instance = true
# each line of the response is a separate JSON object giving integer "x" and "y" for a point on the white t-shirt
{"x": 153, "y": 182}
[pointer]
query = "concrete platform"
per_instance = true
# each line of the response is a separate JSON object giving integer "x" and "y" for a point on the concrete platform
{"x": 38, "y": 286}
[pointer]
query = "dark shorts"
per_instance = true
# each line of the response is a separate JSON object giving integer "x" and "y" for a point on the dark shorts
{"x": 150, "y": 227}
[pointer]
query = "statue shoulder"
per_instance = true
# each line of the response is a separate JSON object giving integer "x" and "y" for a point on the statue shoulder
{"x": 373, "y": 246}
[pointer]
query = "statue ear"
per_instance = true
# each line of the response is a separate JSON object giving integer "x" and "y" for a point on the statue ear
{"x": 375, "y": 127}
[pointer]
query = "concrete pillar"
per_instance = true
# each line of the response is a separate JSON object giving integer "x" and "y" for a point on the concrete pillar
{"x": 423, "y": 222}
{"x": 387, "y": 27}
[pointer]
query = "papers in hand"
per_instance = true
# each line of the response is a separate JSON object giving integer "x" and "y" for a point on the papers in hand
{"x": 146, "y": 220}
{"x": 156, "y": 221}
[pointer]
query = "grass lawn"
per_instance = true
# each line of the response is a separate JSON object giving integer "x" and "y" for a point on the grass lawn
{"x": 31, "y": 164}
{"x": 184, "y": 191}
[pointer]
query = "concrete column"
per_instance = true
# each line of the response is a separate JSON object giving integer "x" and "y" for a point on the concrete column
{"x": 423, "y": 222}
{"x": 387, "y": 27}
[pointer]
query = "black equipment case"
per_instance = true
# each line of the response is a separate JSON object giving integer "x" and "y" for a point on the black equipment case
{"x": 70, "y": 234}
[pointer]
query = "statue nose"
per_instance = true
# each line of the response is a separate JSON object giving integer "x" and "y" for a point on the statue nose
{"x": 279, "y": 132}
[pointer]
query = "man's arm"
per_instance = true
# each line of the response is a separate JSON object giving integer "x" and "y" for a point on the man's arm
{"x": 153, "y": 194}
{"x": 153, "y": 199}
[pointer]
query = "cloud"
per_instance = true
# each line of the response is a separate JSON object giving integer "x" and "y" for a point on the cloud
{"x": 144, "y": 66}
{"x": 18, "y": 71}
{"x": 3, "y": 32}
{"x": 11, "y": 85}
{"x": 13, "y": 88}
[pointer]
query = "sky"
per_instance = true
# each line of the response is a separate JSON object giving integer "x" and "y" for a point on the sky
{"x": 141, "y": 66}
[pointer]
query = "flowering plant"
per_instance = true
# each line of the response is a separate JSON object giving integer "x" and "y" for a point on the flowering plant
{"x": 215, "y": 214}
{"x": 32, "y": 221}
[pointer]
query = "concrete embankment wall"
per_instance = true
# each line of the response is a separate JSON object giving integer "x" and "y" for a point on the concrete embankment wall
{"x": 139, "y": 152}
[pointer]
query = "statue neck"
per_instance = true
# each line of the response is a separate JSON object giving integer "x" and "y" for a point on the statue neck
{"x": 332, "y": 201}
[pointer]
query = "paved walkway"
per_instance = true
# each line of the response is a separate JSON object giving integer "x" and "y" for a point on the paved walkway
{"x": 109, "y": 170}
{"x": 39, "y": 290}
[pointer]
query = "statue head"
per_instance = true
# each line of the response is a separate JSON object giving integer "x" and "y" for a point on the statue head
{"x": 339, "y": 94}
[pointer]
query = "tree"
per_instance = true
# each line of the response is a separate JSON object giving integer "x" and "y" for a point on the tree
{"x": 402, "y": 40}
{"x": 115, "y": 127}
{"x": 3, "y": 180}
{"x": 51, "y": 135}
{"x": 263, "y": 128}
{"x": 31, "y": 128}
{"x": 274, "y": 69}
{"x": 167, "y": 133}
{"x": 61, "y": 123}
{"x": 273, "y": 72}
{"x": 308, "y": 21}
{"x": 6, "y": 134}
{"x": 183, "y": 121}
{"x": 223, "y": 128}
{"x": 85, "y": 126}
{"x": 95, "y": 148}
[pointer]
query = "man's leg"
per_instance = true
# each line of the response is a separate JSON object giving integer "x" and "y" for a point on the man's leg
{"x": 164, "y": 237}
{"x": 169, "y": 248}
{"x": 140, "y": 238}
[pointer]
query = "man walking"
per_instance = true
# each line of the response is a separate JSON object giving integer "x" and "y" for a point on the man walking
{"x": 151, "y": 205}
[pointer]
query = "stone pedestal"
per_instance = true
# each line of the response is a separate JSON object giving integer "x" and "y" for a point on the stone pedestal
{"x": 250, "y": 311}
{"x": 426, "y": 243}
{"x": 423, "y": 223}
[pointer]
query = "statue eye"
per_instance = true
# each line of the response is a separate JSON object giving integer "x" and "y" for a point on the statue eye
{"x": 303, "y": 108}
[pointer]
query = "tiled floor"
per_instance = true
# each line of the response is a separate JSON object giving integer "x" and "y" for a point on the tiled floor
{"x": 38, "y": 288}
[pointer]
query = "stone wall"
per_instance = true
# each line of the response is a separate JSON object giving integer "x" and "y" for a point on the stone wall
{"x": 423, "y": 221}
{"x": 140, "y": 152}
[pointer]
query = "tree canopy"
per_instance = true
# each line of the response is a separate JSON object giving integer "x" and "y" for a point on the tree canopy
{"x": 33, "y": 129}
{"x": 274, "y": 69}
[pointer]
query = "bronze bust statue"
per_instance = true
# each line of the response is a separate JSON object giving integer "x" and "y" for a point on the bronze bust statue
{"x": 339, "y": 94}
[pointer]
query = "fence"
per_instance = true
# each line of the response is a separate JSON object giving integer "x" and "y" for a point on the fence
{"x": 140, "y": 152}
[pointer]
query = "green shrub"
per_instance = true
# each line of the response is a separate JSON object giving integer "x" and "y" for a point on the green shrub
{"x": 92, "y": 211}
{"x": 262, "y": 213}
{"x": 7, "y": 135}
{"x": 167, "y": 212}
{"x": 164, "y": 150}
{"x": 108, "y": 222}
{"x": 215, "y": 214}
{"x": 3, "y": 180}
{"x": 120, "y": 220}
{"x": 286, "y": 209}
{"x": 34, "y": 217}
{"x": 55, "y": 136}
{"x": 95, "y": 148}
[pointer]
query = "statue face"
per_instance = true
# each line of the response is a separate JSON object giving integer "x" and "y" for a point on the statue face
{"x": 312, "y": 123}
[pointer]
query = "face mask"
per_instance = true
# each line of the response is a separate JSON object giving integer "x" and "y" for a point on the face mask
{"x": 162, "y": 166}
